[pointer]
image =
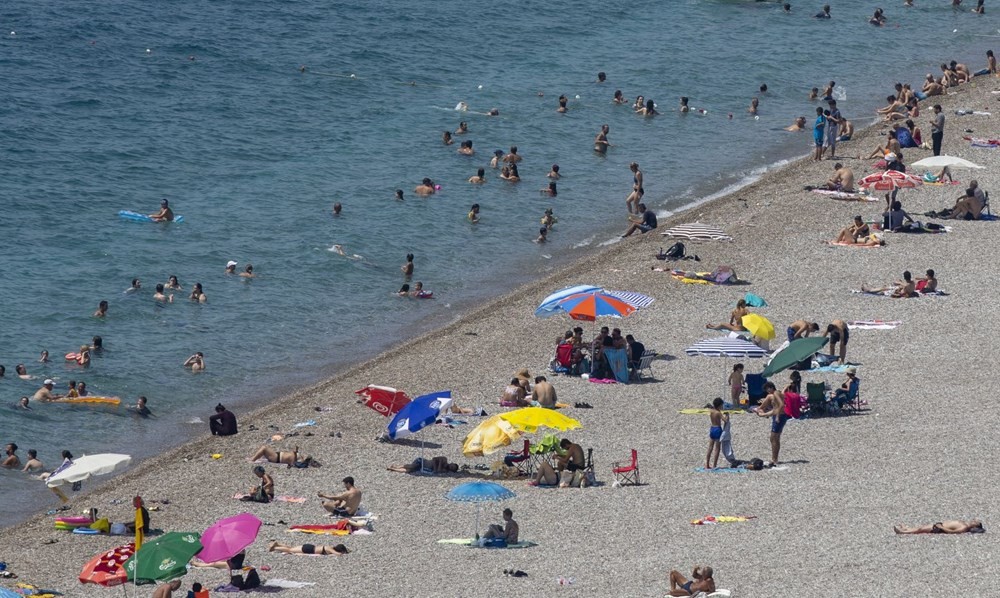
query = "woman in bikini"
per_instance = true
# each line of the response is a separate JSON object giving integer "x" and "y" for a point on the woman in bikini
{"x": 289, "y": 458}
{"x": 320, "y": 549}
{"x": 973, "y": 526}
{"x": 735, "y": 319}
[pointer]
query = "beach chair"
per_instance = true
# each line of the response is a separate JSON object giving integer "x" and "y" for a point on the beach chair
{"x": 627, "y": 473}
{"x": 851, "y": 397}
{"x": 816, "y": 395}
{"x": 520, "y": 460}
{"x": 755, "y": 388}
{"x": 645, "y": 363}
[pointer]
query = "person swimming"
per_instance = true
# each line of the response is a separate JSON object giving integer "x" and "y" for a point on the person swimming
{"x": 136, "y": 286}
{"x": 474, "y": 214}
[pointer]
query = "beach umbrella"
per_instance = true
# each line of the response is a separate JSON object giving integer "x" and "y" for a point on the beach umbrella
{"x": 696, "y": 231}
{"x": 889, "y": 180}
{"x": 942, "y": 161}
{"x": 758, "y": 326}
{"x": 595, "y": 304}
{"x": 164, "y": 558}
{"x": 550, "y": 305}
{"x": 87, "y": 466}
{"x": 108, "y": 568}
{"x": 383, "y": 399}
{"x": 5, "y": 593}
{"x": 479, "y": 492}
{"x": 725, "y": 347}
{"x": 796, "y": 351}
{"x": 418, "y": 414}
{"x": 226, "y": 537}
{"x": 529, "y": 419}
{"x": 493, "y": 434}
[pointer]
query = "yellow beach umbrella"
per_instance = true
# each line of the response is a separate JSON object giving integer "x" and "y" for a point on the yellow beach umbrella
{"x": 489, "y": 437}
{"x": 529, "y": 419}
{"x": 758, "y": 326}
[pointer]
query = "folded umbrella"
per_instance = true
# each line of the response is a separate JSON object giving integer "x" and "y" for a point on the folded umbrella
{"x": 493, "y": 434}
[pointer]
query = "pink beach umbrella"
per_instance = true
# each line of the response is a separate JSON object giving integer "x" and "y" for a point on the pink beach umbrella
{"x": 225, "y": 538}
{"x": 889, "y": 180}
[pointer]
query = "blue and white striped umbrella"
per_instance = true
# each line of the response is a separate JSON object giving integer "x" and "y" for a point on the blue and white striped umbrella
{"x": 550, "y": 305}
{"x": 696, "y": 231}
{"x": 419, "y": 413}
{"x": 725, "y": 347}
{"x": 479, "y": 492}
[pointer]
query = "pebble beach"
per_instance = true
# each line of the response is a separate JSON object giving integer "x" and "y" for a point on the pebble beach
{"x": 823, "y": 522}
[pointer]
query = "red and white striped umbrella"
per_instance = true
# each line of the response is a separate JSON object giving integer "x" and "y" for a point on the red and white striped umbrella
{"x": 889, "y": 180}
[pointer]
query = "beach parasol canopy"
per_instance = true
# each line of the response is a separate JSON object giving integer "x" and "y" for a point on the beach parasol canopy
{"x": 87, "y": 466}
{"x": 889, "y": 180}
{"x": 550, "y": 305}
{"x": 798, "y": 350}
{"x": 493, "y": 434}
{"x": 758, "y": 326}
{"x": 529, "y": 419}
{"x": 725, "y": 347}
{"x": 696, "y": 231}
{"x": 226, "y": 537}
{"x": 419, "y": 413}
{"x": 942, "y": 161}
{"x": 595, "y": 304}
{"x": 383, "y": 399}
{"x": 108, "y": 568}
{"x": 479, "y": 492}
{"x": 164, "y": 558}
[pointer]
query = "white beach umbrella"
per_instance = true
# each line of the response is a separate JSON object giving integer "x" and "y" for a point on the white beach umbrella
{"x": 87, "y": 466}
{"x": 697, "y": 231}
{"x": 725, "y": 347}
{"x": 942, "y": 161}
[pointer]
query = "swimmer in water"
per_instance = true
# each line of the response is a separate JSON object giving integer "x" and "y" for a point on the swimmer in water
{"x": 33, "y": 465}
{"x": 102, "y": 309}
{"x": 426, "y": 187}
{"x": 619, "y": 98}
{"x": 650, "y": 109}
{"x": 542, "y": 235}
{"x": 446, "y": 138}
{"x": 136, "y": 286}
{"x": 466, "y": 148}
{"x": 640, "y": 103}
{"x": 497, "y": 159}
{"x": 24, "y": 403}
{"x": 72, "y": 393}
{"x": 399, "y": 195}
{"x": 763, "y": 88}
{"x": 601, "y": 77}
{"x": 513, "y": 157}
{"x": 173, "y": 284}
{"x": 462, "y": 107}
{"x": 562, "y": 104}
{"x": 231, "y": 266}
{"x": 753, "y": 106}
{"x": 493, "y": 112}
{"x": 548, "y": 220}
{"x": 479, "y": 178}
{"x": 513, "y": 175}
{"x": 407, "y": 268}
{"x": 82, "y": 388}
{"x": 165, "y": 214}
{"x": 418, "y": 289}
{"x": 463, "y": 128}
{"x": 798, "y": 125}
{"x": 197, "y": 294}
{"x": 684, "y": 105}
{"x": 878, "y": 18}
{"x": 196, "y": 362}
{"x": 550, "y": 191}
{"x": 248, "y": 272}
{"x": 404, "y": 291}
{"x": 474, "y": 214}
{"x": 601, "y": 143}
{"x": 84, "y": 358}
{"x": 786, "y": 7}
{"x": 97, "y": 344}
{"x": 158, "y": 296}
{"x": 813, "y": 94}
{"x": 337, "y": 209}
{"x": 140, "y": 408}
{"x": 554, "y": 173}
{"x": 22, "y": 372}
{"x": 44, "y": 358}
{"x": 339, "y": 250}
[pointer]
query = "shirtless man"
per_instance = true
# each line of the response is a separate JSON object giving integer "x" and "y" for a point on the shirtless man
{"x": 497, "y": 158}
{"x": 167, "y": 590}
{"x": 33, "y": 465}
{"x": 838, "y": 333}
{"x": 11, "y": 461}
{"x": 567, "y": 467}
{"x": 509, "y": 531}
{"x": 513, "y": 157}
{"x": 160, "y": 297}
{"x": 344, "y": 504}
{"x": 407, "y": 268}
{"x": 842, "y": 180}
{"x": 196, "y": 362}
{"x": 426, "y": 187}
{"x": 44, "y": 394}
{"x": 735, "y": 319}
{"x": 973, "y": 526}
{"x": 930, "y": 282}
{"x": 903, "y": 289}
{"x": 701, "y": 581}
{"x": 847, "y": 130}
{"x": 801, "y": 329}
{"x": 773, "y": 406}
{"x": 601, "y": 143}
{"x": 932, "y": 87}
{"x": 798, "y": 125}
{"x": 165, "y": 214}
{"x": 141, "y": 409}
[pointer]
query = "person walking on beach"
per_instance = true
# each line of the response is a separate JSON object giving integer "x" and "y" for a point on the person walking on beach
{"x": 773, "y": 406}
{"x": 818, "y": 127}
{"x": 344, "y": 504}
{"x": 937, "y": 130}
{"x": 833, "y": 128}
{"x": 716, "y": 421}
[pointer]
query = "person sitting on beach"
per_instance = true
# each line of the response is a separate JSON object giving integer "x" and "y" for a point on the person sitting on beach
{"x": 601, "y": 365}
{"x": 320, "y": 549}
{"x": 167, "y": 589}
{"x": 842, "y": 179}
{"x": 433, "y": 465}
{"x": 645, "y": 222}
{"x": 196, "y": 362}
{"x": 289, "y": 458}
{"x": 223, "y": 423}
{"x": 800, "y": 329}
{"x": 635, "y": 353}
{"x": 973, "y": 526}
{"x": 570, "y": 463}
{"x": 514, "y": 395}
{"x": 44, "y": 394}
{"x": 11, "y": 460}
{"x": 344, "y": 504}
{"x": 846, "y": 130}
{"x": 735, "y": 319}
{"x": 165, "y": 214}
{"x": 508, "y": 532}
{"x": 798, "y": 125}
{"x": 701, "y": 576}
{"x": 893, "y": 110}
{"x": 543, "y": 393}
{"x": 931, "y": 87}
{"x": 967, "y": 207}
{"x": 849, "y": 388}
{"x": 929, "y": 283}
{"x": 894, "y": 219}
{"x": 426, "y": 187}
{"x": 903, "y": 289}
{"x": 891, "y": 148}
{"x": 263, "y": 491}
{"x": 33, "y": 465}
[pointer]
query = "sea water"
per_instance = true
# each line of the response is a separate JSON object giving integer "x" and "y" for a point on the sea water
{"x": 114, "y": 105}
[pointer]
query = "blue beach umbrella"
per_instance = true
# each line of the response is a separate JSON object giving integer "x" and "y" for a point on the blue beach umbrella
{"x": 479, "y": 492}
{"x": 419, "y": 413}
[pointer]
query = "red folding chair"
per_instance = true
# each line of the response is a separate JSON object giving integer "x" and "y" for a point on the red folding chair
{"x": 627, "y": 474}
{"x": 521, "y": 460}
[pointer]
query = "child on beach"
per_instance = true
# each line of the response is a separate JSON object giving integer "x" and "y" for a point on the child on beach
{"x": 736, "y": 384}
{"x": 716, "y": 419}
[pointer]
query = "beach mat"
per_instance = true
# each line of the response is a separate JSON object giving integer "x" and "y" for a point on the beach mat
{"x": 873, "y": 324}
{"x": 717, "y": 519}
{"x": 720, "y": 470}
{"x": 468, "y": 542}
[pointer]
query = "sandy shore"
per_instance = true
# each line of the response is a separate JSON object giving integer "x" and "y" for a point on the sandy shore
{"x": 824, "y": 525}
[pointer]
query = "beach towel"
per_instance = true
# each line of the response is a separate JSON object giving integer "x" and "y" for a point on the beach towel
{"x": 938, "y": 293}
{"x": 287, "y": 584}
{"x": 845, "y": 244}
{"x": 980, "y": 142}
{"x": 754, "y": 300}
{"x": 717, "y": 519}
{"x": 29, "y": 590}
{"x": 704, "y": 411}
{"x": 468, "y": 542}
{"x": 341, "y": 528}
{"x": 873, "y": 324}
{"x": 311, "y": 422}
{"x": 720, "y": 470}
{"x": 291, "y": 499}
{"x": 840, "y": 369}
{"x": 844, "y": 196}
{"x": 941, "y": 183}
{"x": 618, "y": 360}
{"x": 603, "y": 381}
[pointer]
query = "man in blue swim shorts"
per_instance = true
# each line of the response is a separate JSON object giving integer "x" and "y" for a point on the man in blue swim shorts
{"x": 773, "y": 406}
{"x": 716, "y": 418}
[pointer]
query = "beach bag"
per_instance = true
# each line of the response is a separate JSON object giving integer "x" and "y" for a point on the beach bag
{"x": 793, "y": 405}
{"x": 675, "y": 251}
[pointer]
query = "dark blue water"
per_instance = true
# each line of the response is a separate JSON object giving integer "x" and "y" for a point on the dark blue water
{"x": 115, "y": 105}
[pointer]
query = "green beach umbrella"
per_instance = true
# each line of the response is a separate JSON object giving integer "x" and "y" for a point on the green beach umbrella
{"x": 796, "y": 351}
{"x": 163, "y": 558}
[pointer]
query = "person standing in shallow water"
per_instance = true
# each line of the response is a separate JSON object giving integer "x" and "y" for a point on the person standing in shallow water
{"x": 632, "y": 201}
{"x": 407, "y": 268}
{"x": 601, "y": 143}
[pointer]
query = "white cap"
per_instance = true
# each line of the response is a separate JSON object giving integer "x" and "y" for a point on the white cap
{"x": 231, "y": 263}
{"x": 47, "y": 382}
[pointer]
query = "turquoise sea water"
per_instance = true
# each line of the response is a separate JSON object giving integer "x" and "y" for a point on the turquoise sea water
{"x": 117, "y": 104}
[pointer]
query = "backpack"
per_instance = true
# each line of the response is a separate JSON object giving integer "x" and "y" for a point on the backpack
{"x": 675, "y": 252}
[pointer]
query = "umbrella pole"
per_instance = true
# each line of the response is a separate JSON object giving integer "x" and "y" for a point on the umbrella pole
{"x": 476, "y": 534}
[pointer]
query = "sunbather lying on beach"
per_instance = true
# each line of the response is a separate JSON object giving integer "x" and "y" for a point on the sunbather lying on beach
{"x": 869, "y": 241}
{"x": 701, "y": 581}
{"x": 735, "y": 319}
{"x": 289, "y": 458}
{"x": 433, "y": 465}
{"x": 905, "y": 288}
{"x": 973, "y": 526}
{"x": 320, "y": 549}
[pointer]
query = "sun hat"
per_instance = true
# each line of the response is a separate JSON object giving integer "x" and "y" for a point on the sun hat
{"x": 852, "y": 370}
